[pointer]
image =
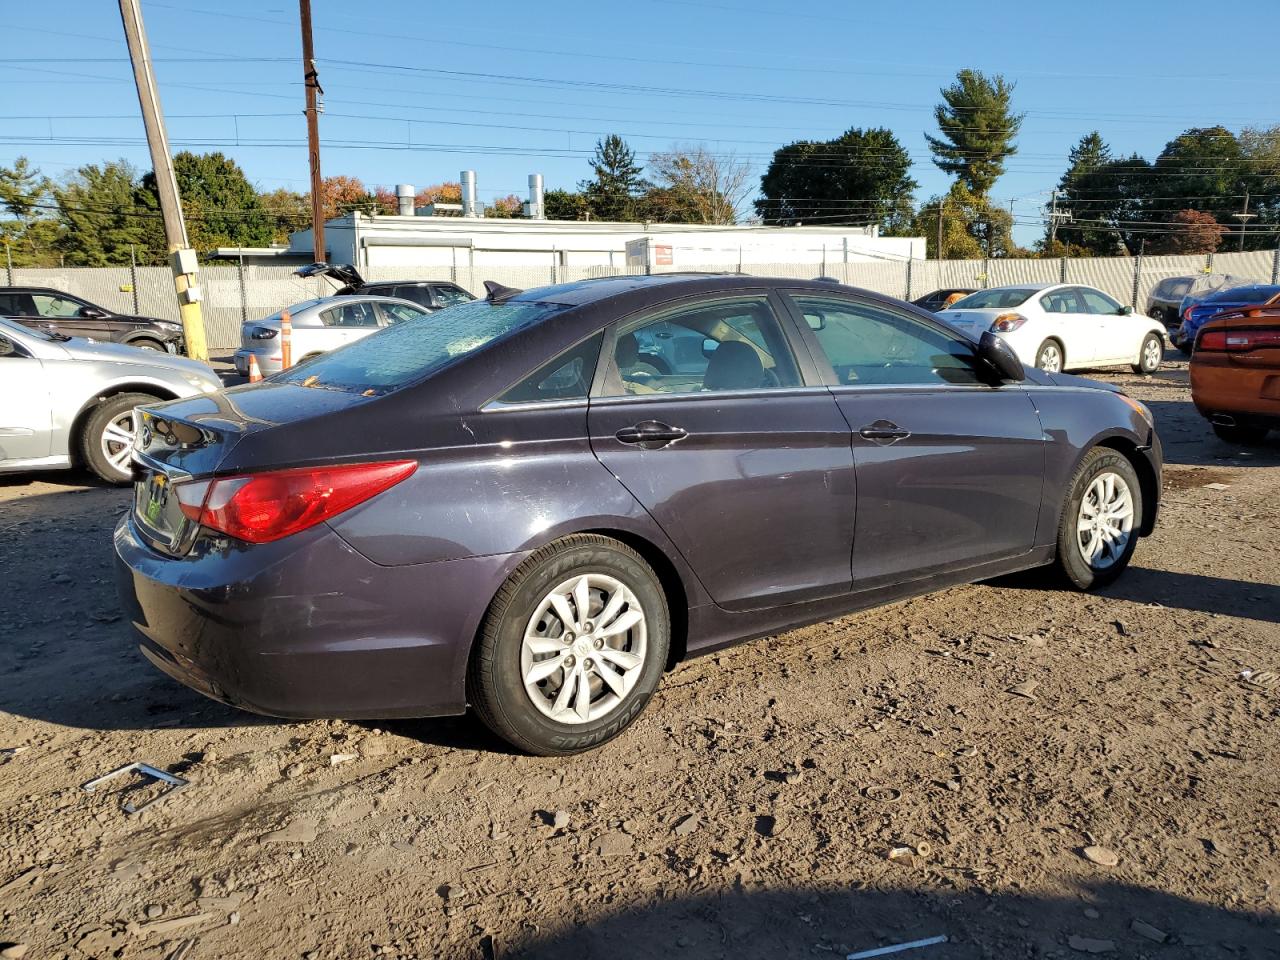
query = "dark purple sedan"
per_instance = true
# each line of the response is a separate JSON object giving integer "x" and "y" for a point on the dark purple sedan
{"x": 507, "y": 505}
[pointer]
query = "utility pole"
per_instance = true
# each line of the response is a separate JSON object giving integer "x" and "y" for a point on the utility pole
{"x": 1244, "y": 217}
{"x": 942, "y": 205}
{"x": 311, "y": 80}
{"x": 181, "y": 257}
{"x": 1053, "y": 220}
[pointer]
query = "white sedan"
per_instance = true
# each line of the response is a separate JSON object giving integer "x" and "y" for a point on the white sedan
{"x": 1062, "y": 326}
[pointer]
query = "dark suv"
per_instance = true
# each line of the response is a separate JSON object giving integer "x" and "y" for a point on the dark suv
{"x": 431, "y": 294}
{"x": 43, "y": 308}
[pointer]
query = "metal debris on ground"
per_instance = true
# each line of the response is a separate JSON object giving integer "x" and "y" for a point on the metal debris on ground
{"x": 175, "y": 783}
{"x": 183, "y": 950}
{"x": 896, "y": 948}
{"x": 1259, "y": 678}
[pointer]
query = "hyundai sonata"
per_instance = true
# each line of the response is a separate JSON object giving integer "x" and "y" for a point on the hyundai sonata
{"x": 503, "y": 506}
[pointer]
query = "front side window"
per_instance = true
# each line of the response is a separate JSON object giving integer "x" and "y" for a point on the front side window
{"x": 451, "y": 296}
{"x": 16, "y": 305}
{"x": 408, "y": 352}
{"x": 1095, "y": 301}
{"x": 567, "y": 377}
{"x": 715, "y": 346}
{"x": 55, "y": 307}
{"x": 350, "y": 315}
{"x": 869, "y": 344}
{"x": 413, "y": 292}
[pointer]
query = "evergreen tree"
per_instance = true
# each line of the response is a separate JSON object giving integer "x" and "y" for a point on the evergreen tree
{"x": 977, "y": 130}
{"x": 617, "y": 184}
{"x": 221, "y": 205}
{"x": 104, "y": 211}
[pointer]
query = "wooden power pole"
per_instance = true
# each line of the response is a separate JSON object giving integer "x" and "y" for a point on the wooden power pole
{"x": 311, "y": 80}
{"x": 181, "y": 256}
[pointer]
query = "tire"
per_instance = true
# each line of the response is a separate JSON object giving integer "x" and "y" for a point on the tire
{"x": 1184, "y": 347}
{"x": 537, "y": 717}
{"x": 1050, "y": 356}
{"x": 107, "y": 436}
{"x": 1149, "y": 355}
{"x": 1099, "y": 477}
{"x": 1241, "y": 434}
{"x": 146, "y": 343}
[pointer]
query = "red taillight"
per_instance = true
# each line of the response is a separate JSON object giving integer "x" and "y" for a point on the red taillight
{"x": 261, "y": 507}
{"x": 1008, "y": 322}
{"x": 1239, "y": 340}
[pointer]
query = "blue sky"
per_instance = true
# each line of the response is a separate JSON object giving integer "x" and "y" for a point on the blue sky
{"x": 416, "y": 92}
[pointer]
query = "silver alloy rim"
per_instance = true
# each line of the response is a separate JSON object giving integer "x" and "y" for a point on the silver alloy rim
{"x": 584, "y": 649}
{"x": 1105, "y": 522}
{"x": 1152, "y": 354}
{"x": 117, "y": 441}
{"x": 1050, "y": 358}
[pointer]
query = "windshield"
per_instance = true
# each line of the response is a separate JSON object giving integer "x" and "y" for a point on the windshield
{"x": 414, "y": 348}
{"x": 998, "y": 298}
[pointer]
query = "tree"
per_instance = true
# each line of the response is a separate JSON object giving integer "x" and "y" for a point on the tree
{"x": 977, "y": 130}
{"x": 104, "y": 212}
{"x": 612, "y": 193}
{"x": 1261, "y": 152}
{"x": 221, "y": 206}
{"x": 341, "y": 194}
{"x": 1108, "y": 204}
{"x": 287, "y": 211}
{"x": 972, "y": 227}
{"x": 1194, "y": 231}
{"x": 694, "y": 185}
{"x": 565, "y": 205}
{"x": 505, "y": 208}
{"x": 860, "y": 177}
{"x": 32, "y": 233}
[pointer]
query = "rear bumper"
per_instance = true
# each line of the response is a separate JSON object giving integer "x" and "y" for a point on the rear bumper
{"x": 1250, "y": 394}
{"x": 307, "y": 627}
{"x": 266, "y": 363}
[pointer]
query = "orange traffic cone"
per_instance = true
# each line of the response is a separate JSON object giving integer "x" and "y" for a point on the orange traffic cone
{"x": 255, "y": 372}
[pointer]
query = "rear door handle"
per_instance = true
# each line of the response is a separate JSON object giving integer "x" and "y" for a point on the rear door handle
{"x": 651, "y": 434}
{"x": 883, "y": 431}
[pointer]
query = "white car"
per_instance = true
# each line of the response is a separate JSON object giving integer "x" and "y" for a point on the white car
{"x": 1062, "y": 326}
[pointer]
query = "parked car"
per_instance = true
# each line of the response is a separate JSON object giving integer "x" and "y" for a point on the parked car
{"x": 429, "y": 294}
{"x": 65, "y": 401}
{"x": 1235, "y": 374}
{"x": 318, "y": 325}
{"x": 936, "y": 300}
{"x": 1165, "y": 299}
{"x": 482, "y": 507}
{"x": 1226, "y": 299}
{"x": 44, "y": 308}
{"x": 1061, "y": 326}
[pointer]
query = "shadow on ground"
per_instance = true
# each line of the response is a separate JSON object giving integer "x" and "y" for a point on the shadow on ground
{"x": 834, "y": 922}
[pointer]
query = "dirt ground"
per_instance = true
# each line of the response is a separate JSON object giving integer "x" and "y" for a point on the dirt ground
{"x": 750, "y": 813}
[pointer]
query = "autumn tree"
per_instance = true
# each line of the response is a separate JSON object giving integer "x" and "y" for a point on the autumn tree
{"x": 694, "y": 185}
{"x": 1193, "y": 231}
{"x": 972, "y": 226}
{"x": 977, "y": 128}
{"x": 287, "y": 211}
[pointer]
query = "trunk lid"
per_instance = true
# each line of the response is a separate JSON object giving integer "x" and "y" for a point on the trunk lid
{"x": 187, "y": 440}
{"x": 973, "y": 322}
{"x": 344, "y": 274}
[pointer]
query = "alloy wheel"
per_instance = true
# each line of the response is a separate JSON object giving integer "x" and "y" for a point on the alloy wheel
{"x": 584, "y": 649}
{"x": 1152, "y": 354}
{"x": 1104, "y": 524}
{"x": 1050, "y": 358}
{"x": 117, "y": 441}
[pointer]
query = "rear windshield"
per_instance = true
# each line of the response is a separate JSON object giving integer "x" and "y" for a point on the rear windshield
{"x": 994, "y": 299}
{"x": 408, "y": 351}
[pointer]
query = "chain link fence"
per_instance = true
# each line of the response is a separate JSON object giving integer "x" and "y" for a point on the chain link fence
{"x": 235, "y": 294}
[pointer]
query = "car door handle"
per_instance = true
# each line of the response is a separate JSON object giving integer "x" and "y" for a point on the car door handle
{"x": 883, "y": 431}
{"x": 651, "y": 434}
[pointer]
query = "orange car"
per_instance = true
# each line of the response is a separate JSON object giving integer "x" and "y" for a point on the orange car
{"x": 1235, "y": 373}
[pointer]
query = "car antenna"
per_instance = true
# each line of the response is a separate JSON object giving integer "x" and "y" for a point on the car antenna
{"x": 497, "y": 293}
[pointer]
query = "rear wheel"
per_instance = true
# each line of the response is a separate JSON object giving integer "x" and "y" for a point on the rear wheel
{"x": 1150, "y": 355}
{"x": 1049, "y": 356}
{"x": 1242, "y": 434}
{"x": 106, "y": 442}
{"x": 572, "y": 648}
{"x": 1098, "y": 530}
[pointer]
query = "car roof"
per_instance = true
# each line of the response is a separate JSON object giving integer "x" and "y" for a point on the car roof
{"x": 664, "y": 286}
{"x": 318, "y": 302}
{"x": 414, "y": 283}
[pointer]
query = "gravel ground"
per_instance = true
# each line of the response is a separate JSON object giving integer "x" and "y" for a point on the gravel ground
{"x": 863, "y": 782}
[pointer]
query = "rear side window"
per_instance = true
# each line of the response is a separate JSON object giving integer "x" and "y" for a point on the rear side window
{"x": 994, "y": 299}
{"x": 567, "y": 377}
{"x": 450, "y": 296}
{"x": 16, "y": 305}
{"x": 1061, "y": 301}
{"x": 868, "y": 344}
{"x": 413, "y": 292}
{"x": 407, "y": 352}
{"x": 350, "y": 315}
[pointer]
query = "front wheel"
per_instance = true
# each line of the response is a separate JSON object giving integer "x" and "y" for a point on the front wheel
{"x": 1049, "y": 356}
{"x": 1098, "y": 530}
{"x": 106, "y": 442}
{"x": 572, "y": 647}
{"x": 1150, "y": 355}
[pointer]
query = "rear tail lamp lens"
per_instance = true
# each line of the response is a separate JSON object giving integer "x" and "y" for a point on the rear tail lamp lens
{"x": 263, "y": 333}
{"x": 1008, "y": 322}
{"x": 1238, "y": 341}
{"x": 262, "y": 507}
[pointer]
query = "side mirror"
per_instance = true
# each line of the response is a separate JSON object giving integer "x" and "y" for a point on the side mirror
{"x": 92, "y": 313}
{"x": 709, "y": 347}
{"x": 6, "y": 348}
{"x": 1126, "y": 311}
{"x": 816, "y": 321}
{"x": 1001, "y": 358}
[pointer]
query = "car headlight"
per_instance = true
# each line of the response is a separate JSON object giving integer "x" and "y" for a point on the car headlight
{"x": 170, "y": 325}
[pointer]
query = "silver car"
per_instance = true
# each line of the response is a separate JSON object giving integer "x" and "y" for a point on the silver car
{"x": 319, "y": 326}
{"x": 65, "y": 401}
